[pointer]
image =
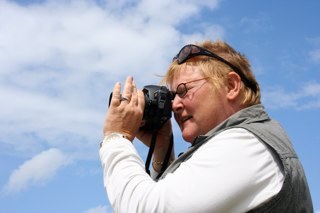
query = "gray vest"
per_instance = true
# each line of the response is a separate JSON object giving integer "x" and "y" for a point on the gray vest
{"x": 294, "y": 195}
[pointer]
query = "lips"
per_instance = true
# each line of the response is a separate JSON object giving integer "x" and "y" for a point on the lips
{"x": 184, "y": 119}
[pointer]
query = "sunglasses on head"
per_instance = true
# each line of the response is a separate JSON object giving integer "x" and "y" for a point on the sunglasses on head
{"x": 191, "y": 50}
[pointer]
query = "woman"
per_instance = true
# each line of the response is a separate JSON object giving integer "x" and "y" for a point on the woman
{"x": 240, "y": 160}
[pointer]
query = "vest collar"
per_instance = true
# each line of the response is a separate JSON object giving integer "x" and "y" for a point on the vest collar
{"x": 252, "y": 114}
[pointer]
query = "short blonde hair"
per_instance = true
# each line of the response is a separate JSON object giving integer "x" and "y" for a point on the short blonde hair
{"x": 217, "y": 71}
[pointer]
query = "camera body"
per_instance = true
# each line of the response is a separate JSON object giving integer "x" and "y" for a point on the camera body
{"x": 157, "y": 109}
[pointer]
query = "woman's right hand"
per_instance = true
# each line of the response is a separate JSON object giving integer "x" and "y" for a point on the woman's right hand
{"x": 162, "y": 143}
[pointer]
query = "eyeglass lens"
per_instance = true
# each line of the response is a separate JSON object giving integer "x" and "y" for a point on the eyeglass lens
{"x": 182, "y": 90}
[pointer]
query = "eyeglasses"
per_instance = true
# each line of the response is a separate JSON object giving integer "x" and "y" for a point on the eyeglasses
{"x": 191, "y": 50}
{"x": 182, "y": 88}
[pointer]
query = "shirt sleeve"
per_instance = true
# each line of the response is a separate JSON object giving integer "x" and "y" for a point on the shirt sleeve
{"x": 233, "y": 172}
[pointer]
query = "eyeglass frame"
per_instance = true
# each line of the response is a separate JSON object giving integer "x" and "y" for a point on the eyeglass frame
{"x": 185, "y": 88}
{"x": 181, "y": 58}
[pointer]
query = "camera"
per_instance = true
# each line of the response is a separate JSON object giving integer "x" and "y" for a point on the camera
{"x": 157, "y": 109}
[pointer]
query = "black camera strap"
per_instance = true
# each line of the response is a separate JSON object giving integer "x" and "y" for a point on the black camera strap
{"x": 166, "y": 160}
{"x": 151, "y": 150}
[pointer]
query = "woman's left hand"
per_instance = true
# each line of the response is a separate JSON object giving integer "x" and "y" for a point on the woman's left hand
{"x": 125, "y": 111}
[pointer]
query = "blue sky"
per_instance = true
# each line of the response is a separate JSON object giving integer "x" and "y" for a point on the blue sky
{"x": 60, "y": 59}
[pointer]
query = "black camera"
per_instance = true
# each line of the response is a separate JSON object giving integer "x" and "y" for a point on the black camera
{"x": 157, "y": 109}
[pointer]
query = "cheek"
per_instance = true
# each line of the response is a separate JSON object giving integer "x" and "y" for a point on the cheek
{"x": 198, "y": 105}
{"x": 205, "y": 113}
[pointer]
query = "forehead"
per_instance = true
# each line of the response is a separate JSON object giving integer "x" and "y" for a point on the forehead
{"x": 185, "y": 74}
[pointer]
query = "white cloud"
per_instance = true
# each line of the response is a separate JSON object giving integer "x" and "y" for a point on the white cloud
{"x": 38, "y": 170}
{"x": 99, "y": 209}
{"x": 306, "y": 98}
{"x": 41, "y": 119}
{"x": 60, "y": 59}
{"x": 82, "y": 37}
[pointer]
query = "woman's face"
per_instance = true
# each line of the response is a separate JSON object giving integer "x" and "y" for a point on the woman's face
{"x": 202, "y": 107}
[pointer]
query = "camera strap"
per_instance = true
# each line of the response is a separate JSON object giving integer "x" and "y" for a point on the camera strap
{"x": 151, "y": 150}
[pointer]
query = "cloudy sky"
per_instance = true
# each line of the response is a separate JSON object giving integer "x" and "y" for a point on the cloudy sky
{"x": 59, "y": 60}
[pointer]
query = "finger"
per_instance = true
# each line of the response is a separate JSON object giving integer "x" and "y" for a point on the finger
{"x": 127, "y": 90}
{"x": 115, "y": 101}
{"x": 134, "y": 97}
{"x": 134, "y": 87}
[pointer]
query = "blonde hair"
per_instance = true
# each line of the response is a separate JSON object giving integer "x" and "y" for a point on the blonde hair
{"x": 217, "y": 71}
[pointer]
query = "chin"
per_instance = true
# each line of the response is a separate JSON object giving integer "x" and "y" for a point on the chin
{"x": 188, "y": 137}
{"x": 189, "y": 131}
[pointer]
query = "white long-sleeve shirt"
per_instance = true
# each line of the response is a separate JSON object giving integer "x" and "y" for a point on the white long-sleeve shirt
{"x": 233, "y": 172}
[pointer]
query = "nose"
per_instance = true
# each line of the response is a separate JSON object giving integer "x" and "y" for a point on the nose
{"x": 177, "y": 104}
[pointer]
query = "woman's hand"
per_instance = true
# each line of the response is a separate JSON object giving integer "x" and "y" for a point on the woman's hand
{"x": 163, "y": 136}
{"x": 125, "y": 111}
{"x": 161, "y": 146}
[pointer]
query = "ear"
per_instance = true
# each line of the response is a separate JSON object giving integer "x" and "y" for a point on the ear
{"x": 233, "y": 86}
